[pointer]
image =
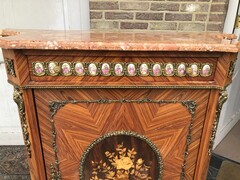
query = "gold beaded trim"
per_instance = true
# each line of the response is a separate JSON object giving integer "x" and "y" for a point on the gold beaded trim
{"x": 121, "y": 69}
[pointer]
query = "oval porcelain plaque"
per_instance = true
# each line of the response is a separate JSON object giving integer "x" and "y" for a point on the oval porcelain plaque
{"x": 66, "y": 69}
{"x": 144, "y": 71}
{"x": 206, "y": 70}
{"x": 156, "y": 69}
{"x": 169, "y": 70}
{"x": 106, "y": 69}
{"x": 118, "y": 69}
{"x": 194, "y": 70}
{"x": 39, "y": 69}
{"x": 131, "y": 69}
{"x": 181, "y": 70}
{"x": 92, "y": 69}
{"x": 79, "y": 69}
{"x": 53, "y": 68}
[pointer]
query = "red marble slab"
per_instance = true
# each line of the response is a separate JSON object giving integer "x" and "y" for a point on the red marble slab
{"x": 116, "y": 40}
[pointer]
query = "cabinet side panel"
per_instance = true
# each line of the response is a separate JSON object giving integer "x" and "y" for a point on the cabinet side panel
{"x": 203, "y": 155}
{"x": 32, "y": 136}
{"x": 17, "y": 66}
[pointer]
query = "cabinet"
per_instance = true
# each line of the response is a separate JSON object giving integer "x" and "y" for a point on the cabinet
{"x": 109, "y": 105}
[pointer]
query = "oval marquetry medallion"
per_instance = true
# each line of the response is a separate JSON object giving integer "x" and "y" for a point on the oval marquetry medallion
{"x": 121, "y": 155}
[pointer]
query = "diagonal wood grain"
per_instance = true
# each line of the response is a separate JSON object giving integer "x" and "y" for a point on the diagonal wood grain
{"x": 77, "y": 125}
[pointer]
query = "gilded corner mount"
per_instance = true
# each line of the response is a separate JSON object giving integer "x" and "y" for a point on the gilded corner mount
{"x": 222, "y": 99}
{"x": 10, "y": 67}
{"x": 18, "y": 98}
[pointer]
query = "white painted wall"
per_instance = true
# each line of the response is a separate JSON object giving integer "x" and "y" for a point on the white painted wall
{"x": 33, "y": 14}
{"x": 230, "y": 114}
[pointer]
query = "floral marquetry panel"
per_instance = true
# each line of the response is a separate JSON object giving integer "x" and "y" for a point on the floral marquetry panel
{"x": 121, "y": 155}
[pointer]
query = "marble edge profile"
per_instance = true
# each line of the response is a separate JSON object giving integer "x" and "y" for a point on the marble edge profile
{"x": 72, "y": 45}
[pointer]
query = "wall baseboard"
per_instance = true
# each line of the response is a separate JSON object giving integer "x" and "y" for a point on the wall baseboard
{"x": 11, "y": 136}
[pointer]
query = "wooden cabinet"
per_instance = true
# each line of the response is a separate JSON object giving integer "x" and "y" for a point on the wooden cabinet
{"x": 118, "y": 105}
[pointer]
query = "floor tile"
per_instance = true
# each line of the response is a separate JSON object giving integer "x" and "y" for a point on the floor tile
{"x": 13, "y": 160}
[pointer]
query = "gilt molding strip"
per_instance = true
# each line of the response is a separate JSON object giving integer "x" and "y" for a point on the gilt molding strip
{"x": 57, "y": 105}
{"x": 120, "y": 86}
{"x": 18, "y": 98}
{"x": 222, "y": 99}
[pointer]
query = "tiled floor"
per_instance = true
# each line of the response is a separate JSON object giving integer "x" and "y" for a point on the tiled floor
{"x": 13, "y": 163}
{"x": 230, "y": 145}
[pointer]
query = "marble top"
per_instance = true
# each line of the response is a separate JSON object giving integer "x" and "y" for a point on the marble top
{"x": 120, "y": 41}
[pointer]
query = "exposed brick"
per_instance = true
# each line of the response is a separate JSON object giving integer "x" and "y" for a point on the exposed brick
{"x": 201, "y": 17}
{"x": 191, "y": 26}
{"x": 134, "y": 6}
{"x": 150, "y": 0}
{"x": 104, "y": 5}
{"x": 220, "y": 1}
{"x": 178, "y": 17}
{"x": 217, "y": 17}
{"x": 204, "y": 0}
{"x": 193, "y": 7}
{"x": 215, "y": 27}
{"x": 96, "y": 15}
{"x": 218, "y": 7}
{"x": 184, "y": 15}
{"x": 165, "y": 6}
{"x": 149, "y": 16}
{"x": 104, "y": 25}
{"x": 133, "y": 25}
{"x": 163, "y": 25}
{"x": 118, "y": 15}
{"x": 183, "y": 0}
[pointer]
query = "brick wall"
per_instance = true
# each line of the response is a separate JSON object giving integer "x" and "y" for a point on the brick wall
{"x": 181, "y": 15}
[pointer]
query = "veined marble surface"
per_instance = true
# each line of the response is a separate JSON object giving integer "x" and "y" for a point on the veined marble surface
{"x": 115, "y": 40}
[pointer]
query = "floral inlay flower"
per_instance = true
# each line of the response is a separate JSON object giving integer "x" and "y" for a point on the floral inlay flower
{"x": 124, "y": 163}
{"x": 121, "y": 165}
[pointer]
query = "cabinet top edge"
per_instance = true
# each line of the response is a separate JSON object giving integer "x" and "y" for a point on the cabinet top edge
{"x": 118, "y": 41}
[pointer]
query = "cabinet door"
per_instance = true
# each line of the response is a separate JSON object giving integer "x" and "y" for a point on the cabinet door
{"x": 144, "y": 133}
